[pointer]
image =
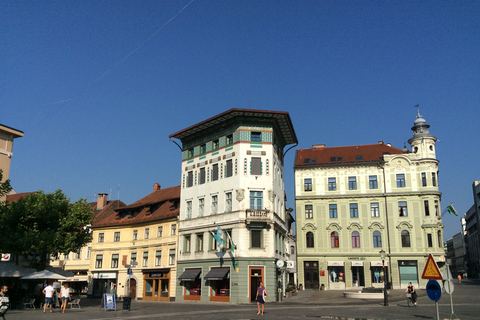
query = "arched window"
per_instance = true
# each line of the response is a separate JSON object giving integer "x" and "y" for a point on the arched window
{"x": 355, "y": 239}
{"x": 292, "y": 249}
{"x": 405, "y": 239}
{"x": 310, "y": 242}
{"x": 377, "y": 239}
{"x": 334, "y": 239}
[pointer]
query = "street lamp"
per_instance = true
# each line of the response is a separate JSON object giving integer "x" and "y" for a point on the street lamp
{"x": 385, "y": 295}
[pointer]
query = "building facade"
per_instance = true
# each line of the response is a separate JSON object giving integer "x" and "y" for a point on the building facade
{"x": 232, "y": 188}
{"x": 133, "y": 251}
{"x": 472, "y": 220}
{"x": 353, "y": 202}
{"x": 7, "y": 135}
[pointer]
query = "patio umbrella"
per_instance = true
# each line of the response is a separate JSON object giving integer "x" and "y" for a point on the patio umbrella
{"x": 45, "y": 275}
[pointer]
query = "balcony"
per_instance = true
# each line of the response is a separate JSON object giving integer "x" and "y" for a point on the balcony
{"x": 256, "y": 216}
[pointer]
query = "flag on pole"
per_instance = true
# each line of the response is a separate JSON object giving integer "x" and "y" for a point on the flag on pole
{"x": 232, "y": 245}
{"x": 452, "y": 210}
{"x": 218, "y": 236}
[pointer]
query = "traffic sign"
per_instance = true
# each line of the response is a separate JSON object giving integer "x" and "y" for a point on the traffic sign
{"x": 448, "y": 286}
{"x": 431, "y": 270}
{"x": 447, "y": 275}
{"x": 434, "y": 291}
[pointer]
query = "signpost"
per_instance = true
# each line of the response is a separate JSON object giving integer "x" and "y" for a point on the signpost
{"x": 431, "y": 272}
{"x": 448, "y": 286}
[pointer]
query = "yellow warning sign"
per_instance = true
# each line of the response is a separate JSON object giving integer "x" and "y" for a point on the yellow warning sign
{"x": 431, "y": 270}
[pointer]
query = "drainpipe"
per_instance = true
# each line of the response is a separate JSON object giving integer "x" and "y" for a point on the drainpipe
{"x": 388, "y": 228}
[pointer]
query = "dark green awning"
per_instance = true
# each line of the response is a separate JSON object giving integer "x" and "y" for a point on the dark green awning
{"x": 217, "y": 274}
{"x": 190, "y": 275}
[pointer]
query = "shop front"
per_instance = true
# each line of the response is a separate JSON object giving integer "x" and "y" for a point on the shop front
{"x": 358, "y": 276}
{"x": 104, "y": 282}
{"x": 191, "y": 283}
{"x": 336, "y": 275}
{"x": 156, "y": 285}
{"x": 378, "y": 273}
{"x": 219, "y": 281}
{"x": 408, "y": 271}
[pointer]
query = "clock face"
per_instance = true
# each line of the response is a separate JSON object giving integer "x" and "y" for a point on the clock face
{"x": 280, "y": 263}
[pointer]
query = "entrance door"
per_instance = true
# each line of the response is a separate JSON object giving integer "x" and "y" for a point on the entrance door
{"x": 310, "y": 269}
{"x": 133, "y": 288}
{"x": 358, "y": 277}
{"x": 256, "y": 276}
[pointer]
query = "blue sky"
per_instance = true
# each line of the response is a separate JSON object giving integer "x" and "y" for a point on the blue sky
{"x": 98, "y": 86}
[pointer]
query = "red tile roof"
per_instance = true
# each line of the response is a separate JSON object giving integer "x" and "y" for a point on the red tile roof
{"x": 17, "y": 196}
{"x": 342, "y": 155}
{"x": 158, "y": 205}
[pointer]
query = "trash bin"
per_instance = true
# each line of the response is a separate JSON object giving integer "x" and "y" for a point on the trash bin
{"x": 126, "y": 303}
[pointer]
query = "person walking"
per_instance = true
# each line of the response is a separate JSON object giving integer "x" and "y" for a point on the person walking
{"x": 459, "y": 277}
{"x": 65, "y": 294}
{"x": 4, "y": 301}
{"x": 411, "y": 289}
{"x": 261, "y": 297}
{"x": 48, "y": 292}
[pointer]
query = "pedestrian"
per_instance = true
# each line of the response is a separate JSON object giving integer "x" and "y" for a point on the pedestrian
{"x": 411, "y": 289}
{"x": 261, "y": 297}
{"x": 65, "y": 292}
{"x": 459, "y": 277}
{"x": 4, "y": 301}
{"x": 48, "y": 292}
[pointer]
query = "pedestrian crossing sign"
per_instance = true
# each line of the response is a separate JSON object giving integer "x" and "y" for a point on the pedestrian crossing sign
{"x": 431, "y": 270}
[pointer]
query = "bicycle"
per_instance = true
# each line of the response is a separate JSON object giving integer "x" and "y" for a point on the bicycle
{"x": 410, "y": 301}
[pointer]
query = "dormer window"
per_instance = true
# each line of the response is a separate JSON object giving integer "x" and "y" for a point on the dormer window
{"x": 359, "y": 157}
{"x": 256, "y": 137}
{"x": 203, "y": 149}
{"x": 190, "y": 153}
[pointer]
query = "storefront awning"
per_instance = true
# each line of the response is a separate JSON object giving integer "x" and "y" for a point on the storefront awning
{"x": 217, "y": 274}
{"x": 357, "y": 263}
{"x": 189, "y": 275}
{"x": 378, "y": 264}
{"x": 336, "y": 263}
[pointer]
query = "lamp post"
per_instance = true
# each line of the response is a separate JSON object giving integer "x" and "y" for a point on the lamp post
{"x": 385, "y": 295}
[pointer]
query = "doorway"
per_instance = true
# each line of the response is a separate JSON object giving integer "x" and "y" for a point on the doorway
{"x": 310, "y": 269}
{"x": 358, "y": 277}
{"x": 256, "y": 276}
{"x": 133, "y": 288}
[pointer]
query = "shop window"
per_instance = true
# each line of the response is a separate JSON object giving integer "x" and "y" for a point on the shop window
{"x": 336, "y": 274}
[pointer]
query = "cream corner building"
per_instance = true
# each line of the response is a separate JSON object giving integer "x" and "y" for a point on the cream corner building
{"x": 352, "y": 202}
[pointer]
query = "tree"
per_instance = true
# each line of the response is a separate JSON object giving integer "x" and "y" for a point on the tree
{"x": 43, "y": 224}
{"x": 5, "y": 187}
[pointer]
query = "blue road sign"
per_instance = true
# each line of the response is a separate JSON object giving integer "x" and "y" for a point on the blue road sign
{"x": 434, "y": 291}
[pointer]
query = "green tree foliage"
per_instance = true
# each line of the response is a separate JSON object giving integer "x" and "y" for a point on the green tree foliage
{"x": 43, "y": 224}
{"x": 4, "y": 186}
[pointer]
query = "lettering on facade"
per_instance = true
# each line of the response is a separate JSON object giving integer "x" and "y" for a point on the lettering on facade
{"x": 254, "y": 213}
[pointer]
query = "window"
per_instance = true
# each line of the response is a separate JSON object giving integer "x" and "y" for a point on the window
{"x": 332, "y": 184}
{"x": 308, "y": 211}
{"x": 256, "y": 238}
{"x": 135, "y": 235}
{"x": 171, "y": 257}
{"x": 334, "y": 239}
{"x": 434, "y": 179}
{"x": 147, "y": 233}
{"x": 429, "y": 240}
{"x": 173, "y": 230}
{"x": 215, "y": 144}
{"x": 201, "y": 179}
{"x": 101, "y": 236}
{"x": 215, "y": 172}
{"x": 424, "y": 179}
{"x": 145, "y": 259}
{"x": 229, "y": 169}
{"x": 355, "y": 239}
{"x": 133, "y": 257}
{"x": 203, "y": 149}
{"x": 372, "y": 182}
{"x": 352, "y": 183}
{"x": 256, "y": 166}
{"x": 310, "y": 240}
{"x": 190, "y": 153}
{"x": 307, "y": 184}
{"x": 89, "y": 252}
{"x": 353, "y": 210}
{"x": 189, "y": 179}
{"x": 374, "y": 208}
{"x": 116, "y": 236}
{"x": 214, "y": 204}
{"x": 400, "y": 180}
{"x": 186, "y": 243}
{"x": 189, "y": 209}
{"x": 228, "y": 202}
{"x": 405, "y": 239}
{"x": 199, "y": 243}
{"x": 377, "y": 239}
{"x": 437, "y": 208}
{"x": 256, "y": 137}
{"x": 256, "y": 200}
{"x": 201, "y": 206}
{"x": 226, "y": 238}
{"x": 213, "y": 242}
{"x": 440, "y": 239}
{"x": 99, "y": 261}
{"x": 402, "y": 209}
{"x": 333, "y": 210}
{"x": 292, "y": 249}
{"x": 158, "y": 258}
{"x": 160, "y": 232}
{"x": 425, "y": 206}
{"x": 229, "y": 139}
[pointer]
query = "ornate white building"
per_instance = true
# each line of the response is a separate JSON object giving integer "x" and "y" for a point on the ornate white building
{"x": 352, "y": 202}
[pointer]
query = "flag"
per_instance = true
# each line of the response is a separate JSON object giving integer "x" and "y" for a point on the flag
{"x": 218, "y": 236}
{"x": 232, "y": 245}
{"x": 452, "y": 210}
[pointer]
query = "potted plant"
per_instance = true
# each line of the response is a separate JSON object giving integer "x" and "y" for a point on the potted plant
{"x": 322, "y": 287}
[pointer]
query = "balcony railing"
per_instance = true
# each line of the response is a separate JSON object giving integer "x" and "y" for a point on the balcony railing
{"x": 258, "y": 215}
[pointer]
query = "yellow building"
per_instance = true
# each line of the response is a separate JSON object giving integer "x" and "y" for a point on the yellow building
{"x": 7, "y": 135}
{"x": 133, "y": 250}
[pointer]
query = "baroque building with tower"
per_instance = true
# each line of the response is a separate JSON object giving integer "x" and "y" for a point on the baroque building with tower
{"x": 353, "y": 202}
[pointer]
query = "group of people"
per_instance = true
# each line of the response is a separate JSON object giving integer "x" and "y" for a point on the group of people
{"x": 49, "y": 293}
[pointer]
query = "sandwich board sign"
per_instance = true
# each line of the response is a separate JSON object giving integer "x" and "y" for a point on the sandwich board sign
{"x": 431, "y": 270}
{"x": 109, "y": 301}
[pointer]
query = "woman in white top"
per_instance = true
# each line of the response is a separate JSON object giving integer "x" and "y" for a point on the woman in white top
{"x": 65, "y": 297}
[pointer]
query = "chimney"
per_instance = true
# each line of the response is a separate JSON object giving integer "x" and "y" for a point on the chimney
{"x": 102, "y": 200}
{"x": 318, "y": 146}
{"x": 380, "y": 142}
{"x": 157, "y": 187}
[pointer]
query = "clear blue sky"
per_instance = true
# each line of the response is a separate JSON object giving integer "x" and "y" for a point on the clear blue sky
{"x": 97, "y": 86}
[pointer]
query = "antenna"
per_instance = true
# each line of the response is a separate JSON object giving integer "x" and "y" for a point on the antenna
{"x": 110, "y": 195}
{"x": 418, "y": 110}
{"x": 118, "y": 192}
